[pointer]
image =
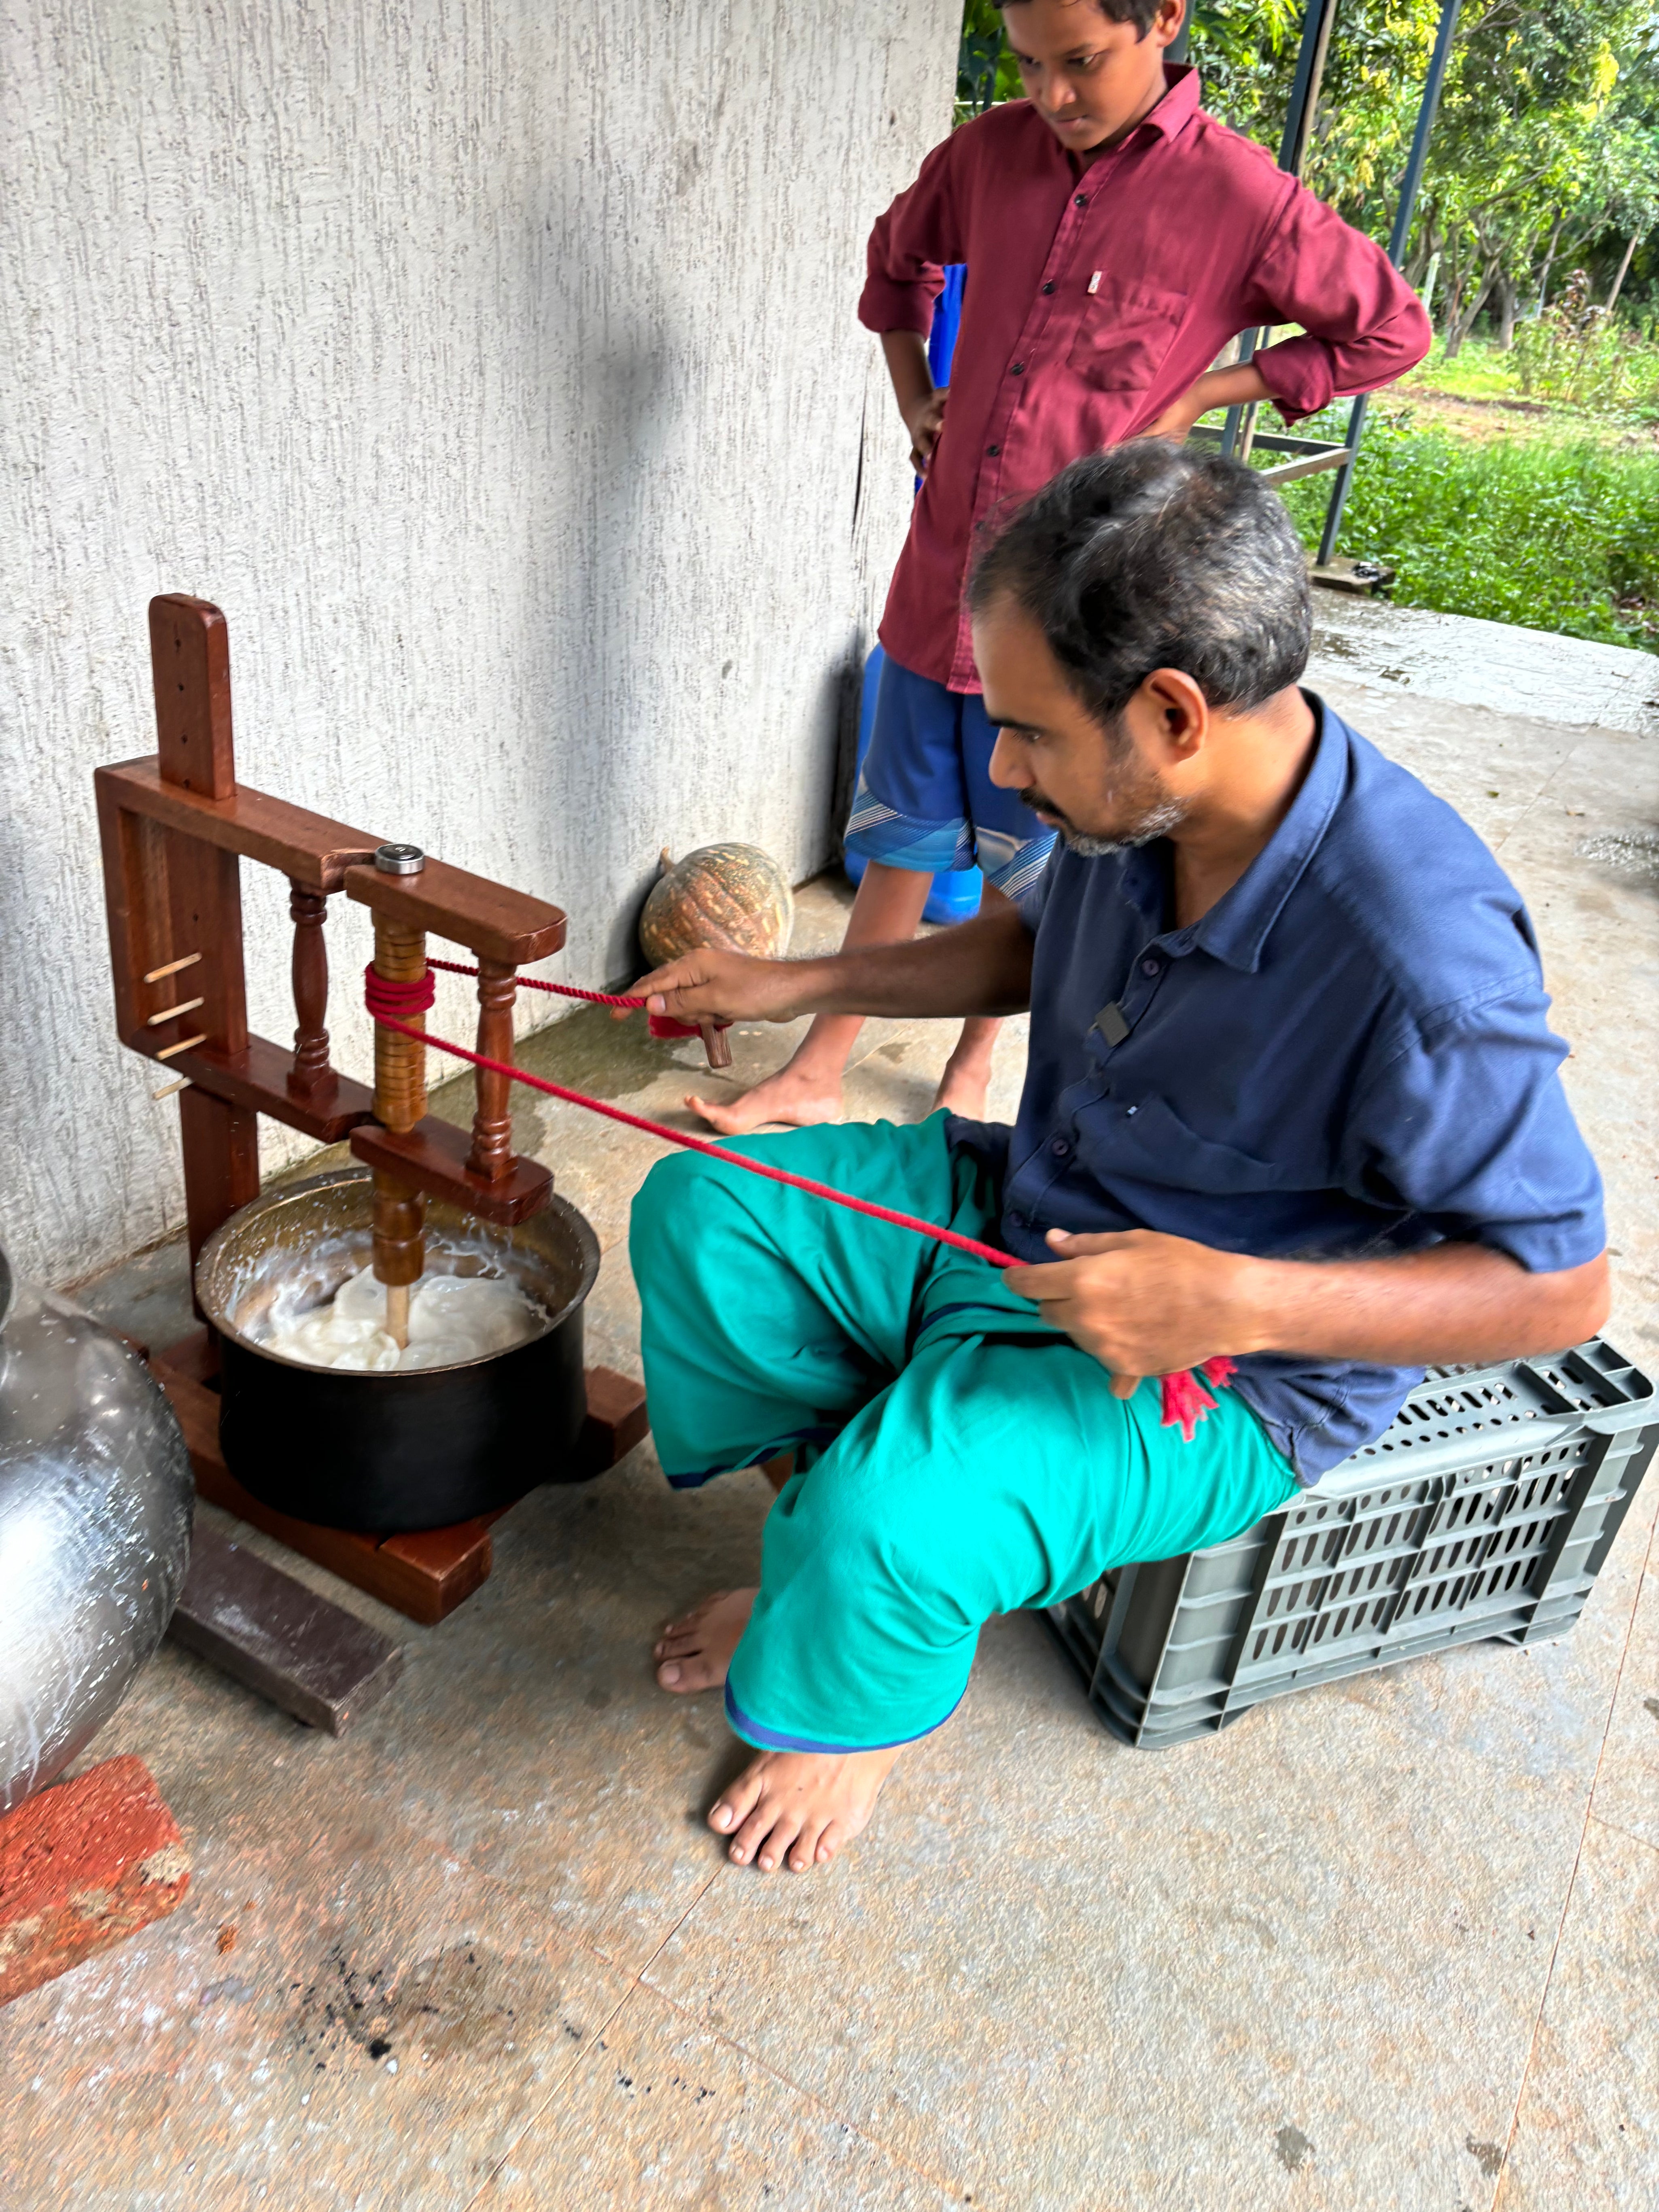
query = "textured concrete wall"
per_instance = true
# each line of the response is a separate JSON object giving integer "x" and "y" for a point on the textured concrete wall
{"x": 493, "y": 365}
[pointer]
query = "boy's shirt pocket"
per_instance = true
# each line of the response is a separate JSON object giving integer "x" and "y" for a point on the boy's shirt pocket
{"x": 1124, "y": 333}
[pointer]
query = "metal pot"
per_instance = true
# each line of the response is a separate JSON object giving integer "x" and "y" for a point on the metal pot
{"x": 96, "y": 1497}
{"x": 396, "y": 1452}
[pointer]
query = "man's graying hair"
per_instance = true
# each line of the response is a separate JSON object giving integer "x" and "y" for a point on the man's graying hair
{"x": 1153, "y": 555}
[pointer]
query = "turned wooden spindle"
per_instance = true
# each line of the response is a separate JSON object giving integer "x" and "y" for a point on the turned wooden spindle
{"x": 308, "y": 911}
{"x": 491, "y": 1155}
{"x": 399, "y": 1104}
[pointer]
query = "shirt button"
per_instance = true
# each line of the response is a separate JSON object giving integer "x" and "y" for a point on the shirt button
{"x": 1018, "y": 369}
{"x": 1047, "y": 288}
{"x": 1149, "y": 967}
{"x": 993, "y": 451}
{"x": 1082, "y": 200}
{"x": 1060, "y": 1148}
{"x": 1016, "y": 1220}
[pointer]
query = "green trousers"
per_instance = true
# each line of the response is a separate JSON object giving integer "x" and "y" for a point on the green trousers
{"x": 955, "y": 1456}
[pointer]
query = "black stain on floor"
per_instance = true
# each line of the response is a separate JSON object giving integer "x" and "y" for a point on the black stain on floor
{"x": 1291, "y": 2149}
{"x": 1487, "y": 2156}
{"x": 465, "y": 2000}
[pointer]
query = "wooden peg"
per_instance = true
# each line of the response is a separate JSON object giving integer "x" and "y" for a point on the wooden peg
{"x": 491, "y": 1155}
{"x": 171, "y": 968}
{"x": 308, "y": 911}
{"x": 716, "y": 1046}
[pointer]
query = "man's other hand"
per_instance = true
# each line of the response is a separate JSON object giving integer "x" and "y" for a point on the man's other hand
{"x": 1142, "y": 1303}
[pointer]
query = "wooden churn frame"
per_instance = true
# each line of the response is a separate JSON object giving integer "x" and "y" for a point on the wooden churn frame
{"x": 175, "y": 828}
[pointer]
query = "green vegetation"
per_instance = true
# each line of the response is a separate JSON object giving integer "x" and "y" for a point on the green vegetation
{"x": 1519, "y": 479}
{"x": 1554, "y": 534}
{"x": 1545, "y": 157}
{"x": 1578, "y": 355}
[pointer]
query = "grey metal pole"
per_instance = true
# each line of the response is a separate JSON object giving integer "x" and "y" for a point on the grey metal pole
{"x": 1398, "y": 243}
{"x": 1305, "y": 91}
{"x": 1317, "y": 21}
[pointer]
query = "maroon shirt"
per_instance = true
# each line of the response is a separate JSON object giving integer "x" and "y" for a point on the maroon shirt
{"x": 1095, "y": 297}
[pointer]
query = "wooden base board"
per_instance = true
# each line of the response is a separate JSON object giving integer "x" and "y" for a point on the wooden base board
{"x": 424, "y": 1575}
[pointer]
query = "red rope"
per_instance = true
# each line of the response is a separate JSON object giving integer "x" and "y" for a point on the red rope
{"x": 1185, "y": 1400}
{"x": 662, "y": 1025}
{"x": 383, "y": 996}
{"x": 559, "y": 990}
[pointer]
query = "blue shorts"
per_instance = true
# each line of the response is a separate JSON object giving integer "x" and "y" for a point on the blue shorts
{"x": 925, "y": 798}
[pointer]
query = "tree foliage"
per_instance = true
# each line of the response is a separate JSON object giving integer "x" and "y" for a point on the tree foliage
{"x": 1545, "y": 158}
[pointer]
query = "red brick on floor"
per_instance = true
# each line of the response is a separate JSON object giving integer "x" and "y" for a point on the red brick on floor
{"x": 82, "y": 1865}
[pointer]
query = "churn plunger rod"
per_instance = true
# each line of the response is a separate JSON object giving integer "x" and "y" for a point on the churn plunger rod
{"x": 399, "y": 1104}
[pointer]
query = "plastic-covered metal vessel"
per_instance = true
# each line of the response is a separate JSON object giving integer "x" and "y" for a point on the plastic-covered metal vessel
{"x": 96, "y": 1498}
{"x": 409, "y": 1449}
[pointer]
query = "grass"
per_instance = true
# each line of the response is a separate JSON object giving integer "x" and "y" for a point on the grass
{"x": 1485, "y": 392}
{"x": 1552, "y": 532}
{"x": 1480, "y": 371}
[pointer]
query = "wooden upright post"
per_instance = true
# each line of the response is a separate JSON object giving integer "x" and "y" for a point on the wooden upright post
{"x": 492, "y": 1125}
{"x": 308, "y": 911}
{"x": 190, "y": 661}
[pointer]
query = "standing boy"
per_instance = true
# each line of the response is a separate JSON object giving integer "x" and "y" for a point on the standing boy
{"x": 1116, "y": 238}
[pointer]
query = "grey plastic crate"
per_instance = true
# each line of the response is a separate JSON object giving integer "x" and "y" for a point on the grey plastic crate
{"x": 1486, "y": 1510}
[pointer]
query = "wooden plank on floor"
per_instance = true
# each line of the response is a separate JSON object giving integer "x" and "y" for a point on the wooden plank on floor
{"x": 259, "y": 1625}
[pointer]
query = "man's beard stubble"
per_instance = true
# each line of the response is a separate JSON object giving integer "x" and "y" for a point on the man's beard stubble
{"x": 1150, "y": 813}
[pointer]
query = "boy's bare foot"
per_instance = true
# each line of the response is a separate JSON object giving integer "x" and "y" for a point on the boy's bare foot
{"x": 695, "y": 1652}
{"x": 963, "y": 1090}
{"x": 966, "y": 1082}
{"x": 799, "y": 1096}
{"x": 799, "y": 1805}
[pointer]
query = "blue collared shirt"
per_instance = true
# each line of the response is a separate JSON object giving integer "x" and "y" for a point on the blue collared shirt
{"x": 1348, "y": 1055}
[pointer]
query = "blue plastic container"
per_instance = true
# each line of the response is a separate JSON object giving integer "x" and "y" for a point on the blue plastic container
{"x": 955, "y": 896}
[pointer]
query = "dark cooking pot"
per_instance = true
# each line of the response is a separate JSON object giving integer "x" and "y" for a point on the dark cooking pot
{"x": 394, "y": 1452}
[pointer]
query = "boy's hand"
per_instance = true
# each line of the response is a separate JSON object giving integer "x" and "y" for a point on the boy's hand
{"x": 923, "y": 418}
{"x": 724, "y": 987}
{"x": 1217, "y": 387}
{"x": 1177, "y": 418}
{"x": 1143, "y": 1303}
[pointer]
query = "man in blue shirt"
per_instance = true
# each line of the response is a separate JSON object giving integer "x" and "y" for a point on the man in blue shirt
{"x": 1292, "y": 1102}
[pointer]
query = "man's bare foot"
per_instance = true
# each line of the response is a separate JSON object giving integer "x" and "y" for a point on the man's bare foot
{"x": 798, "y": 1096}
{"x": 799, "y": 1805}
{"x": 695, "y": 1652}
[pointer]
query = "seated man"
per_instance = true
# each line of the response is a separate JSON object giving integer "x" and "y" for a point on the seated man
{"x": 1292, "y": 1098}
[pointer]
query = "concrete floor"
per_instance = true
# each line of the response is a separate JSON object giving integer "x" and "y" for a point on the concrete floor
{"x": 1388, "y": 1943}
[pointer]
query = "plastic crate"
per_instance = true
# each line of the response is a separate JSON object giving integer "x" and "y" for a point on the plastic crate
{"x": 1484, "y": 1511}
